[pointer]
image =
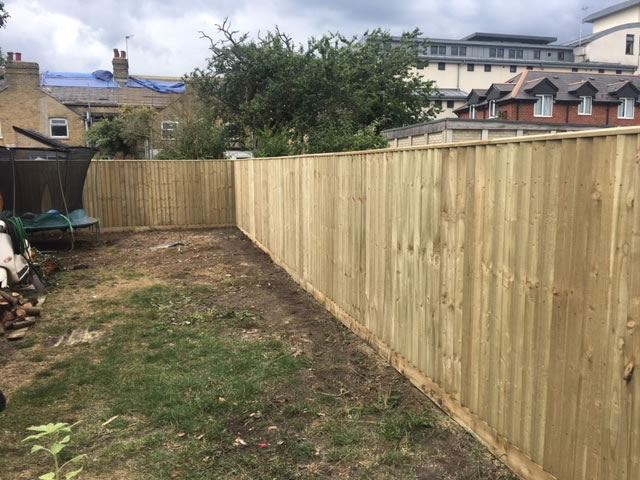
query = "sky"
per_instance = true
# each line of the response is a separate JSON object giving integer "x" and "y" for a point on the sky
{"x": 79, "y": 35}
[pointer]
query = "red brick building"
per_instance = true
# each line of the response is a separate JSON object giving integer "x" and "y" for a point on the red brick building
{"x": 597, "y": 100}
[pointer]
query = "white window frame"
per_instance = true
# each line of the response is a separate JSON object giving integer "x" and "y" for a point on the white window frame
{"x": 627, "y": 103}
{"x": 493, "y": 109}
{"x": 64, "y": 121}
{"x": 163, "y": 130}
{"x": 586, "y": 105}
{"x": 538, "y": 107}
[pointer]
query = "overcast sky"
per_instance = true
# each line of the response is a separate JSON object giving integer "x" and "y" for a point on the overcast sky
{"x": 79, "y": 35}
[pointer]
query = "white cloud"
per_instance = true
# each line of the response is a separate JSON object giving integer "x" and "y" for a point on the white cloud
{"x": 80, "y": 34}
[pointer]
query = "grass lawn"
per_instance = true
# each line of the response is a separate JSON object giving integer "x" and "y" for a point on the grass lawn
{"x": 217, "y": 378}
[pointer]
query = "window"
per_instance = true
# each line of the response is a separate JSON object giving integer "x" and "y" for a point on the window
{"x": 574, "y": 69}
{"x": 529, "y": 67}
{"x": 492, "y": 52}
{"x": 519, "y": 53}
{"x": 470, "y": 67}
{"x": 585, "y": 107}
{"x": 512, "y": 53}
{"x": 513, "y": 69}
{"x": 454, "y": 51}
{"x": 493, "y": 111}
{"x": 536, "y": 54}
{"x": 58, "y": 128}
{"x": 543, "y": 106}
{"x": 442, "y": 50}
{"x": 463, "y": 51}
{"x": 487, "y": 68}
{"x": 626, "y": 108}
{"x": 618, "y": 72}
{"x": 628, "y": 48}
{"x": 601, "y": 70}
{"x": 472, "y": 112}
{"x": 168, "y": 130}
{"x": 434, "y": 49}
{"x": 561, "y": 56}
{"x": 442, "y": 66}
{"x": 449, "y": 103}
{"x": 500, "y": 53}
{"x": 438, "y": 103}
{"x": 516, "y": 53}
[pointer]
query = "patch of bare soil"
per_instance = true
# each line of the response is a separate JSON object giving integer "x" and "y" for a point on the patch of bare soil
{"x": 244, "y": 277}
{"x": 241, "y": 277}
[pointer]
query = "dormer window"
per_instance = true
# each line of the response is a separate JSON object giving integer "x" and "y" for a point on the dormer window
{"x": 626, "y": 109}
{"x": 586, "y": 106}
{"x": 543, "y": 106}
{"x": 472, "y": 112}
{"x": 493, "y": 111}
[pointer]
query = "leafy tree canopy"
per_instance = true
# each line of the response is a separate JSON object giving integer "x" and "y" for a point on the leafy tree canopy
{"x": 4, "y": 15}
{"x": 333, "y": 94}
{"x": 195, "y": 139}
{"x": 125, "y": 134}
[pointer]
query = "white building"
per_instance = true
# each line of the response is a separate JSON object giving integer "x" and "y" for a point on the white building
{"x": 481, "y": 59}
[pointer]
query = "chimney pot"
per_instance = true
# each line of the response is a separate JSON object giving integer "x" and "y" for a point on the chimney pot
{"x": 18, "y": 56}
{"x": 123, "y": 54}
{"x": 10, "y": 56}
{"x": 116, "y": 53}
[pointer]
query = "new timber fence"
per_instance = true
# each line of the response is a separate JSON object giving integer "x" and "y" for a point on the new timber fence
{"x": 130, "y": 194}
{"x": 502, "y": 278}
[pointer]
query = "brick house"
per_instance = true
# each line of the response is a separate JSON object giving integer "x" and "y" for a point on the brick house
{"x": 62, "y": 105}
{"x": 588, "y": 99}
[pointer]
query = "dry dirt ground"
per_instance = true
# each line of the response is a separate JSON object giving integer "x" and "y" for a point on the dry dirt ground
{"x": 337, "y": 411}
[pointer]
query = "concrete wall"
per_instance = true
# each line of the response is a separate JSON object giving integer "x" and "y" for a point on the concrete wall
{"x": 611, "y": 47}
{"x": 629, "y": 15}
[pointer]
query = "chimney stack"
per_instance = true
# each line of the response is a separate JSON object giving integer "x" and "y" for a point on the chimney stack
{"x": 120, "y": 66}
{"x": 19, "y": 74}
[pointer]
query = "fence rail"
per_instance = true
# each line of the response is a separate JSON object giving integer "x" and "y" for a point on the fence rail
{"x": 127, "y": 194}
{"x": 503, "y": 278}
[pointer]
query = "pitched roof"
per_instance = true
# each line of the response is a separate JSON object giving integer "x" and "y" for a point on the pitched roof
{"x": 523, "y": 86}
{"x": 618, "y": 7}
{"x": 111, "y": 96}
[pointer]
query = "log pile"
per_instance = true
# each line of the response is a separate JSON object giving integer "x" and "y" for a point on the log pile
{"x": 17, "y": 314}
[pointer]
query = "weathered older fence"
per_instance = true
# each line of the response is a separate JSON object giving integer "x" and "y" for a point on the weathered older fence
{"x": 127, "y": 194}
{"x": 503, "y": 278}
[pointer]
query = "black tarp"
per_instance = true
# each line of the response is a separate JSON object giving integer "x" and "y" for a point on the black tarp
{"x": 39, "y": 175}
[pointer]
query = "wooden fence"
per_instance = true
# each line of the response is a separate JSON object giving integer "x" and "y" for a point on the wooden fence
{"x": 128, "y": 194}
{"x": 503, "y": 278}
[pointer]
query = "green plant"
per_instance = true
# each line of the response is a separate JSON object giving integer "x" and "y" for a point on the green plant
{"x": 57, "y": 437}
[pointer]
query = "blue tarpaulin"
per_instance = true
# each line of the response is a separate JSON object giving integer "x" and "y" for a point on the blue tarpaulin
{"x": 156, "y": 85}
{"x": 97, "y": 79}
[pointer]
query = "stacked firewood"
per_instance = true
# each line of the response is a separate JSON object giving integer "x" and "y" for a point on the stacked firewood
{"x": 17, "y": 314}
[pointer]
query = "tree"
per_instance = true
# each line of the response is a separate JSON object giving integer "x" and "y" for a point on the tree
{"x": 334, "y": 93}
{"x": 196, "y": 139}
{"x": 127, "y": 134}
{"x": 4, "y": 15}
